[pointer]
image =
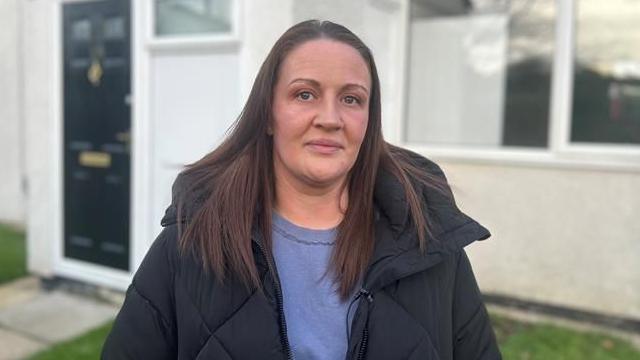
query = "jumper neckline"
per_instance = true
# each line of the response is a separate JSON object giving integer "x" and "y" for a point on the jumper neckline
{"x": 300, "y": 234}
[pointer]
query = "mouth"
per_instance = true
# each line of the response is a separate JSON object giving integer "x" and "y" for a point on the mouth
{"x": 324, "y": 146}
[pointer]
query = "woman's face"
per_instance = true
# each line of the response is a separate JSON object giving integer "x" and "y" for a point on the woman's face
{"x": 320, "y": 113}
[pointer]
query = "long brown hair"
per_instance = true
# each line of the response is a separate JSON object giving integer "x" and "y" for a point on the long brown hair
{"x": 237, "y": 179}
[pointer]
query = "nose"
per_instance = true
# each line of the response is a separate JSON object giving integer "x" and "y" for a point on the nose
{"x": 329, "y": 116}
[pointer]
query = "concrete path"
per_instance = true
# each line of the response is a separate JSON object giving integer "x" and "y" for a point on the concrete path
{"x": 33, "y": 318}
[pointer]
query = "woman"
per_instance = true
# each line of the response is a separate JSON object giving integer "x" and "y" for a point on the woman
{"x": 305, "y": 235}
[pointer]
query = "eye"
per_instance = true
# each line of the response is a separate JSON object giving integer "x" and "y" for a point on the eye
{"x": 351, "y": 100}
{"x": 304, "y": 95}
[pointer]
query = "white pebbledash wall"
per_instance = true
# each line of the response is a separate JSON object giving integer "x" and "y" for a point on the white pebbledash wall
{"x": 568, "y": 237}
{"x": 12, "y": 200}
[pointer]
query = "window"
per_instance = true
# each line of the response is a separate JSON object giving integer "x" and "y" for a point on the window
{"x": 606, "y": 84}
{"x": 479, "y": 72}
{"x": 192, "y": 17}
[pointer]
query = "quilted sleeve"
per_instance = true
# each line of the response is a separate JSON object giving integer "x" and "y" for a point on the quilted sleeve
{"x": 473, "y": 335}
{"x": 145, "y": 325}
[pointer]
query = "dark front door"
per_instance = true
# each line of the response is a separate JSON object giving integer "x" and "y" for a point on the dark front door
{"x": 97, "y": 132}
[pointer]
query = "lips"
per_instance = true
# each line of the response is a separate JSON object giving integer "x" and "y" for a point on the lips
{"x": 324, "y": 146}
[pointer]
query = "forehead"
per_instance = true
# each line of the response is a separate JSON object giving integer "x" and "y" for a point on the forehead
{"x": 327, "y": 61}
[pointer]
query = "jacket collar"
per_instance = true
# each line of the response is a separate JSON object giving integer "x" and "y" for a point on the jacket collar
{"x": 396, "y": 252}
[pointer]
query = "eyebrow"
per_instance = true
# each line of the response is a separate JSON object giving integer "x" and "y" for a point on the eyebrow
{"x": 315, "y": 83}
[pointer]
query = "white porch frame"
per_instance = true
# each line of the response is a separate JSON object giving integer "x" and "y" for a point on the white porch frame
{"x": 143, "y": 45}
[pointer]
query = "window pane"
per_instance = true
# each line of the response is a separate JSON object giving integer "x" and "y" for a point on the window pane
{"x": 479, "y": 72}
{"x": 183, "y": 17}
{"x": 606, "y": 95}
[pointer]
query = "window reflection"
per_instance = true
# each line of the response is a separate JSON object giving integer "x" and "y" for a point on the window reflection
{"x": 182, "y": 17}
{"x": 606, "y": 96}
{"x": 479, "y": 72}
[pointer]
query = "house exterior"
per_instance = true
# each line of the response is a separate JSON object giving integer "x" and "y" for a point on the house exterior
{"x": 12, "y": 208}
{"x": 535, "y": 124}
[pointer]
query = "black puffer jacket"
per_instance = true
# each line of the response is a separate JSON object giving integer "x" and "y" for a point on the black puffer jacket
{"x": 412, "y": 306}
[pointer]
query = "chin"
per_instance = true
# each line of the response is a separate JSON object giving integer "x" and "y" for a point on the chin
{"x": 325, "y": 178}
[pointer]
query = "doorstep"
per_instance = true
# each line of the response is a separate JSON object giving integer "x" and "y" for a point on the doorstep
{"x": 33, "y": 317}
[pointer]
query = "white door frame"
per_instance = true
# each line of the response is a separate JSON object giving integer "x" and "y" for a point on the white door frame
{"x": 140, "y": 164}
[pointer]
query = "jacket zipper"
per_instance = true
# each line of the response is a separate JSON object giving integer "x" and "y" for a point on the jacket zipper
{"x": 283, "y": 325}
{"x": 365, "y": 332}
{"x": 363, "y": 346}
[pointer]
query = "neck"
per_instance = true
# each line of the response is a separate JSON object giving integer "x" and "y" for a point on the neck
{"x": 310, "y": 206}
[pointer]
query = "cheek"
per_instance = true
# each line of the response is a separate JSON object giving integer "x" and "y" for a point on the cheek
{"x": 280, "y": 142}
{"x": 359, "y": 128}
{"x": 286, "y": 132}
{"x": 288, "y": 122}
{"x": 286, "y": 138}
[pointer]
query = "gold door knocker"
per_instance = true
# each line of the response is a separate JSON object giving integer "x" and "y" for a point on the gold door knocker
{"x": 94, "y": 73}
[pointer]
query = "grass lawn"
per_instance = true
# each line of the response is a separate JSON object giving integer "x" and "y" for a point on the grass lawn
{"x": 518, "y": 341}
{"x": 87, "y": 346}
{"x": 524, "y": 341}
{"x": 13, "y": 254}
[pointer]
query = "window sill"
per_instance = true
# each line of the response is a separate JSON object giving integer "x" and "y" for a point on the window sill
{"x": 577, "y": 157}
{"x": 226, "y": 42}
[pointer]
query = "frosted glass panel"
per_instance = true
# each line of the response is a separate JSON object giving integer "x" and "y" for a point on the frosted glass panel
{"x": 480, "y": 72}
{"x": 457, "y": 79}
{"x": 189, "y": 17}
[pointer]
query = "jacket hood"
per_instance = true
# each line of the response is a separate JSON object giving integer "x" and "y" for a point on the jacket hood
{"x": 183, "y": 190}
{"x": 396, "y": 251}
{"x": 450, "y": 229}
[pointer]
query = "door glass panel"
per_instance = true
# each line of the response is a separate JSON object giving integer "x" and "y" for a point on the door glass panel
{"x": 606, "y": 95}
{"x": 114, "y": 28}
{"x": 188, "y": 17}
{"x": 81, "y": 30}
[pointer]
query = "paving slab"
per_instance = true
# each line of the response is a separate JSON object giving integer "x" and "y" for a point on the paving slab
{"x": 19, "y": 291}
{"x": 14, "y": 346}
{"x": 56, "y": 316}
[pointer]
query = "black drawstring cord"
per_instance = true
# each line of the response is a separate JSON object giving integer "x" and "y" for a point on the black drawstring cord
{"x": 361, "y": 292}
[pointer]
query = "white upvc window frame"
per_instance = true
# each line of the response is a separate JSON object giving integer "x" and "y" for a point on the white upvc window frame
{"x": 196, "y": 42}
{"x": 561, "y": 152}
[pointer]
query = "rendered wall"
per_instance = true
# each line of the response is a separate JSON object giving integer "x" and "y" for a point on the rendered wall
{"x": 38, "y": 112}
{"x": 12, "y": 200}
{"x": 567, "y": 237}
